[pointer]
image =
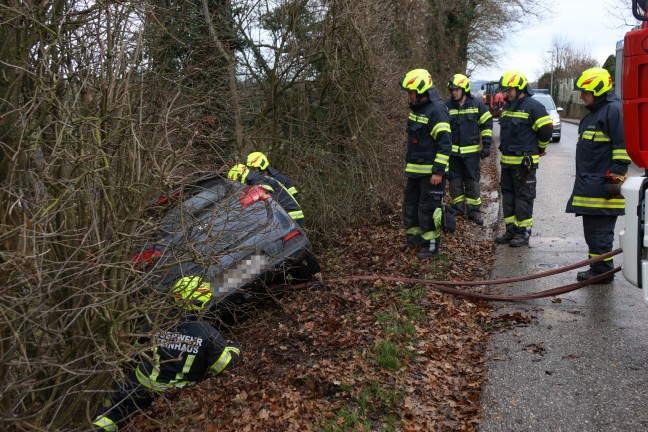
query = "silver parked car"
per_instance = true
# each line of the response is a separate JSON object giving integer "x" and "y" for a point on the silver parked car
{"x": 553, "y": 111}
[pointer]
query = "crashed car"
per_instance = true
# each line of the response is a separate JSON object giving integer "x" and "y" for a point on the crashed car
{"x": 237, "y": 237}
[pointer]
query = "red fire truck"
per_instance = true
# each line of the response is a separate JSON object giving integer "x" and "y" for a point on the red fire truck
{"x": 634, "y": 238}
{"x": 493, "y": 98}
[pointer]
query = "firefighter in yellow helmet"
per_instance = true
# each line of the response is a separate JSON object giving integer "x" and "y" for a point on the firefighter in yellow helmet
{"x": 186, "y": 352}
{"x": 601, "y": 165}
{"x": 258, "y": 161}
{"x": 245, "y": 175}
{"x": 472, "y": 129}
{"x": 525, "y": 132}
{"x": 428, "y": 153}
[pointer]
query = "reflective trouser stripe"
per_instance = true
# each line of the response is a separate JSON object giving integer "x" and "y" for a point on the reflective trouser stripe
{"x": 106, "y": 424}
{"x": 414, "y": 231}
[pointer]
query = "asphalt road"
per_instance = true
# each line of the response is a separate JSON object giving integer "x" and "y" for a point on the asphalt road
{"x": 581, "y": 364}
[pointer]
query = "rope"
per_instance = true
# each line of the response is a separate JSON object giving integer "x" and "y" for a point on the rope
{"x": 444, "y": 286}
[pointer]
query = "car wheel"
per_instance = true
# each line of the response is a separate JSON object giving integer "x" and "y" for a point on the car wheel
{"x": 305, "y": 268}
{"x": 556, "y": 139}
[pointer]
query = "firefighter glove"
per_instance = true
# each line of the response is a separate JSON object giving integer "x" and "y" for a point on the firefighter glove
{"x": 485, "y": 152}
{"x": 612, "y": 186}
{"x": 611, "y": 190}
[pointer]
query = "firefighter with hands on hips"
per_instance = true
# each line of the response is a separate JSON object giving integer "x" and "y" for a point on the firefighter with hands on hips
{"x": 245, "y": 175}
{"x": 469, "y": 120}
{"x": 525, "y": 132}
{"x": 184, "y": 354}
{"x": 601, "y": 165}
{"x": 257, "y": 161}
{"x": 428, "y": 152}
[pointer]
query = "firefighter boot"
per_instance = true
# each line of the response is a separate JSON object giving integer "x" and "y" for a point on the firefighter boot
{"x": 507, "y": 236}
{"x": 476, "y": 217}
{"x": 521, "y": 238}
{"x": 430, "y": 251}
{"x": 459, "y": 209}
{"x": 589, "y": 274}
{"x": 411, "y": 242}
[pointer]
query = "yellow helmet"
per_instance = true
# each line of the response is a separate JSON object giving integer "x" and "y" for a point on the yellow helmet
{"x": 513, "y": 78}
{"x": 238, "y": 172}
{"x": 596, "y": 80}
{"x": 418, "y": 80}
{"x": 257, "y": 160}
{"x": 192, "y": 293}
{"x": 459, "y": 81}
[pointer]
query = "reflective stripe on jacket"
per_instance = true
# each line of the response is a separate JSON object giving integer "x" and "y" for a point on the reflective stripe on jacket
{"x": 526, "y": 129}
{"x": 183, "y": 355}
{"x": 600, "y": 148}
{"x": 278, "y": 191}
{"x": 428, "y": 140}
{"x": 468, "y": 122}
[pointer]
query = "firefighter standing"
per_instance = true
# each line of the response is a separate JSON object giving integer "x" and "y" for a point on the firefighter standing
{"x": 259, "y": 162}
{"x": 243, "y": 174}
{"x": 428, "y": 151}
{"x": 180, "y": 356}
{"x": 469, "y": 118}
{"x": 601, "y": 165}
{"x": 526, "y": 130}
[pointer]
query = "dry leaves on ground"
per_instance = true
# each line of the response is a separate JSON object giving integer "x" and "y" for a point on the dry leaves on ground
{"x": 318, "y": 359}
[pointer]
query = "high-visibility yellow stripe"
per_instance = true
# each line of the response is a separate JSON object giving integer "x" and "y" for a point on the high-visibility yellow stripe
{"x": 487, "y": 132}
{"x": 457, "y": 200}
{"x": 418, "y": 169}
{"x": 485, "y": 117}
{"x": 106, "y": 424}
{"x": 224, "y": 359}
{"x": 297, "y": 214}
{"x": 414, "y": 230}
{"x": 522, "y": 115}
{"x": 517, "y": 160}
{"x": 614, "y": 203}
{"x": 525, "y": 223}
{"x": 431, "y": 235}
{"x": 595, "y": 136}
{"x": 465, "y": 149}
{"x": 592, "y": 255}
{"x": 418, "y": 119}
{"x": 620, "y": 154}
{"x": 542, "y": 121}
{"x": 440, "y": 127}
{"x": 473, "y": 201}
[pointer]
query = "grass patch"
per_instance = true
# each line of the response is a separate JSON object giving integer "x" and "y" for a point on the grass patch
{"x": 390, "y": 356}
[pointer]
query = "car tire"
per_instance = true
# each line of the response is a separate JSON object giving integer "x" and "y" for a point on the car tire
{"x": 305, "y": 268}
{"x": 556, "y": 139}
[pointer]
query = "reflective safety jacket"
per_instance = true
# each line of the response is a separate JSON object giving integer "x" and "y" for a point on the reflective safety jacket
{"x": 279, "y": 192}
{"x": 600, "y": 148}
{"x": 468, "y": 122}
{"x": 525, "y": 130}
{"x": 428, "y": 140}
{"x": 184, "y": 355}
{"x": 285, "y": 181}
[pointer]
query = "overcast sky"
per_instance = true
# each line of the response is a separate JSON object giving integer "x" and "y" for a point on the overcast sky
{"x": 586, "y": 24}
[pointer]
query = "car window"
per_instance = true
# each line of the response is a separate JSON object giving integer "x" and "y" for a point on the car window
{"x": 547, "y": 101}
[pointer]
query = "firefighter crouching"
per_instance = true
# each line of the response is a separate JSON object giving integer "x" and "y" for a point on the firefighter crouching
{"x": 243, "y": 174}
{"x": 525, "y": 132}
{"x": 179, "y": 356}
{"x": 428, "y": 152}
{"x": 257, "y": 161}
{"x": 469, "y": 119}
{"x": 601, "y": 165}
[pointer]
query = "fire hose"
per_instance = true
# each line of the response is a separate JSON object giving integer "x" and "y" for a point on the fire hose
{"x": 446, "y": 286}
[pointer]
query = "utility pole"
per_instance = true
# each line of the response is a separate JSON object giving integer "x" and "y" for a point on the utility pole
{"x": 552, "y": 71}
